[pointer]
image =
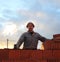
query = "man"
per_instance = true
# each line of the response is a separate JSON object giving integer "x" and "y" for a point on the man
{"x": 30, "y": 38}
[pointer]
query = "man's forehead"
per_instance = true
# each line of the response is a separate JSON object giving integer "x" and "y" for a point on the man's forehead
{"x": 30, "y": 23}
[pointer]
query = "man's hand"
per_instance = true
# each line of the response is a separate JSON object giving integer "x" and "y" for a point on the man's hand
{"x": 15, "y": 47}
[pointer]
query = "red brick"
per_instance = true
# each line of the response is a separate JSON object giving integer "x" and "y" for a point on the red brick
{"x": 39, "y": 61}
{"x": 29, "y": 60}
{"x": 43, "y": 61}
{"x": 14, "y": 54}
{"x": 36, "y": 54}
{"x": 57, "y": 38}
{"x": 56, "y": 35}
{"x": 31, "y": 55}
{"x": 25, "y": 54}
{"x": 47, "y": 45}
{"x": 10, "y": 61}
{"x": 52, "y": 45}
{"x": 47, "y": 54}
{"x": 53, "y": 60}
{"x": 56, "y": 54}
{"x": 0, "y": 60}
{"x": 4, "y": 54}
{"x": 56, "y": 45}
{"x": 24, "y": 60}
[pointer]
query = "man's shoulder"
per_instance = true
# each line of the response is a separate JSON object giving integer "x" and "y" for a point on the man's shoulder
{"x": 25, "y": 33}
{"x": 36, "y": 33}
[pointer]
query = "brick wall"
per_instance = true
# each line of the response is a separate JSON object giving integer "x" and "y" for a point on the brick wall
{"x": 50, "y": 54}
{"x": 53, "y": 44}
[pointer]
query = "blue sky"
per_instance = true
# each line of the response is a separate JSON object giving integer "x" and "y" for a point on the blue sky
{"x": 15, "y": 14}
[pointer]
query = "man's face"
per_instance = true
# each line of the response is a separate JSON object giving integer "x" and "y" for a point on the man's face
{"x": 30, "y": 27}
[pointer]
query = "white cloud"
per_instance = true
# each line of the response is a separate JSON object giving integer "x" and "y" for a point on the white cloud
{"x": 57, "y": 1}
{"x": 33, "y": 15}
{"x": 9, "y": 28}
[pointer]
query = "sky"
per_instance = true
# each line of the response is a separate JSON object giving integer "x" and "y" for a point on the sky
{"x": 15, "y": 14}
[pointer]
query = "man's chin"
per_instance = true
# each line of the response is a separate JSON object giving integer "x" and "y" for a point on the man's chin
{"x": 30, "y": 30}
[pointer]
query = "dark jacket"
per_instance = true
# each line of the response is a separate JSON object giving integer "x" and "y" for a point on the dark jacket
{"x": 30, "y": 40}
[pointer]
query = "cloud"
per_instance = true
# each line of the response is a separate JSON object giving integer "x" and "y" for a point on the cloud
{"x": 9, "y": 28}
{"x": 32, "y": 15}
{"x": 56, "y": 1}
